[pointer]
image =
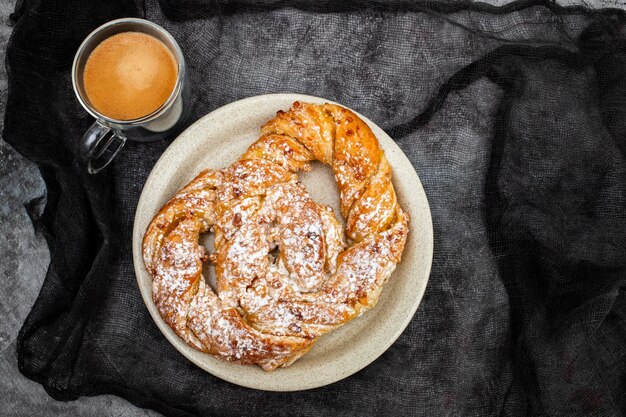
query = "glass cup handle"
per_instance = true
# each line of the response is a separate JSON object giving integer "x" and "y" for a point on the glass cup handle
{"x": 99, "y": 145}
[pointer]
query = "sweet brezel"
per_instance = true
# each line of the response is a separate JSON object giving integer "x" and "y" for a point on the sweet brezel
{"x": 285, "y": 275}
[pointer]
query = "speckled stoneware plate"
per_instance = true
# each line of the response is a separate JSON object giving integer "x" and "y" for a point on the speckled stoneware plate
{"x": 217, "y": 140}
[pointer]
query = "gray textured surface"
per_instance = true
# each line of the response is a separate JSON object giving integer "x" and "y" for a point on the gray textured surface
{"x": 23, "y": 262}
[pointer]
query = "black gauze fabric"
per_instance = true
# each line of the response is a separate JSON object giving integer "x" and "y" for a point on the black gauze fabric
{"x": 514, "y": 119}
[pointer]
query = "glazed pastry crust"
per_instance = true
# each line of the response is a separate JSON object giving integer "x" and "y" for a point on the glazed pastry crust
{"x": 285, "y": 272}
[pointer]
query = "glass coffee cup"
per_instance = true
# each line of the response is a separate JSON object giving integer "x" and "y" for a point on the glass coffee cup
{"x": 107, "y": 135}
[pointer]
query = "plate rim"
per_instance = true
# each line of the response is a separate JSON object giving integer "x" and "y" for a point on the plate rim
{"x": 172, "y": 338}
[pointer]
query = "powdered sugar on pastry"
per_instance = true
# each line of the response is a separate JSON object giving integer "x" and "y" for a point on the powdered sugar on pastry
{"x": 284, "y": 273}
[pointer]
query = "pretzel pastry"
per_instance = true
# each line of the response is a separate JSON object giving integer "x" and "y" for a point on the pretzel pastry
{"x": 285, "y": 272}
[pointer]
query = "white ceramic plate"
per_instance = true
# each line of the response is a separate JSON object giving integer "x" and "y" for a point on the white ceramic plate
{"x": 217, "y": 140}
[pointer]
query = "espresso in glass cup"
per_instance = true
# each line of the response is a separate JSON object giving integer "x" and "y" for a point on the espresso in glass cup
{"x": 129, "y": 74}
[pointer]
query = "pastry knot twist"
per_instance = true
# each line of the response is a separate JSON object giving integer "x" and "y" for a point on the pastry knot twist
{"x": 285, "y": 273}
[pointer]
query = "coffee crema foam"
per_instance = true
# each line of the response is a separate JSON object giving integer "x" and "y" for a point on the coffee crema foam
{"x": 129, "y": 75}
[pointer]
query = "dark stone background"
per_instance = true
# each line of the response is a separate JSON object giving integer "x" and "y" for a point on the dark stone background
{"x": 24, "y": 258}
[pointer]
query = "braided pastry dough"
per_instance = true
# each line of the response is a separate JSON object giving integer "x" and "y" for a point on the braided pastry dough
{"x": 285, "y": 274}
